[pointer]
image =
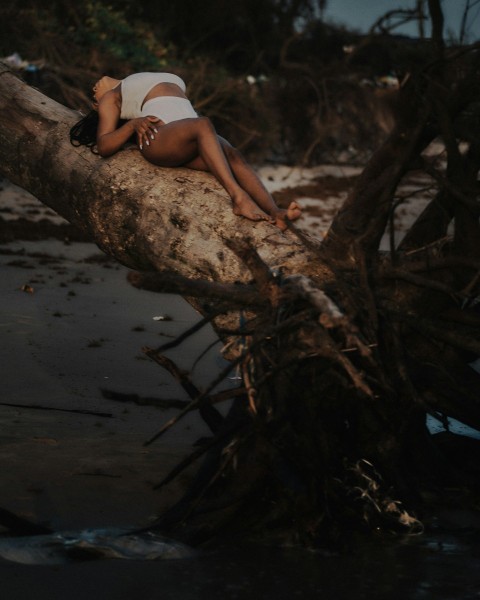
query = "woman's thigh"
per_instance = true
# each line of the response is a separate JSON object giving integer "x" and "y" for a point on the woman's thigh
{"x": 174, "y": 145}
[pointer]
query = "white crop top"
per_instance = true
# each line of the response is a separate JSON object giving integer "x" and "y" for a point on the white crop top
{"x": 136, "y": 87}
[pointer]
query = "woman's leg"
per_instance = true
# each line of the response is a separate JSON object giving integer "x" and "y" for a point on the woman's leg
{"x": 252, "y": 184}
{"x": 181, "y": 143}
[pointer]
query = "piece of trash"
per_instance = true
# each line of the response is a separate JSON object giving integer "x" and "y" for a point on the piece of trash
{"x": 163, "y": 318}
{"x": 27, "y": 288}
{"x": 69, "y": 546}
{"x": 15, "y": 61}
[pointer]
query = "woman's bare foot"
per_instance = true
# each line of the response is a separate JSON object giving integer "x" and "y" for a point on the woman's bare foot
{"x": 244, "y": 206}
{"x": 291, "y": 213}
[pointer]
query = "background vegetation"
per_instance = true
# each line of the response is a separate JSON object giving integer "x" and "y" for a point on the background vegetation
{"x": 277, "y": 81}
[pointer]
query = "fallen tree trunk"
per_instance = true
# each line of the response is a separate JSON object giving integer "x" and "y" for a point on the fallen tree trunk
{"x": 148, "y": 218}
{"x": 345, "y": 350}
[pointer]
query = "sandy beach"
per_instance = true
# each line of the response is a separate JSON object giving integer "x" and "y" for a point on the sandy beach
{"x": 72, "y": 331}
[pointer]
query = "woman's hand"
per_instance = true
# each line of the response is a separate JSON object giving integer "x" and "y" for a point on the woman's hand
{"x": 146, "y": 128}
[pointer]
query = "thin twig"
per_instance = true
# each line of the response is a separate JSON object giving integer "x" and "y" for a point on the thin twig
{"x": 209, "y": 414}
{"x": 195, "y": 455}
{"x": 68, "y": 410}
{"x": 195, "y": 403}
{"x": 189, "y": 332}
{"x": 220, "y": 377}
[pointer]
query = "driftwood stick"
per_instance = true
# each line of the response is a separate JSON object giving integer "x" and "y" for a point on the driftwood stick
{"x": 196, "y": 454}
{"x": 209, "y": 414}
{"x": 190, "y": 331}
{"x": 68, "y": 410}
{"x": 196, "y": 403}
{"x": 161, "y": 403}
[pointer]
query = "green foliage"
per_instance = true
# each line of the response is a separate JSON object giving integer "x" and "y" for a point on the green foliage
{"x": 134, "y": 43}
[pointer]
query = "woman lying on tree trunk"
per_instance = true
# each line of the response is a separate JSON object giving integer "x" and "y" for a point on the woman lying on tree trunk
{"x": 170, "y": 134}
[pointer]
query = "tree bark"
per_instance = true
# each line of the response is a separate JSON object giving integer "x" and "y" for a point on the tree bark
{"x": 149, "y": 218}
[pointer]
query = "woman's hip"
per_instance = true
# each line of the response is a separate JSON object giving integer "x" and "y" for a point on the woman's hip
{"x": 169, "y": 108}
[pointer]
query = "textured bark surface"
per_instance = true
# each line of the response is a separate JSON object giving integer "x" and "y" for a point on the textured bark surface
{"x": 149, "y": 218}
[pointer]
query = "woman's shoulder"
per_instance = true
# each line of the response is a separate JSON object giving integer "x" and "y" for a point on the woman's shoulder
{"x": 111, "y": 101}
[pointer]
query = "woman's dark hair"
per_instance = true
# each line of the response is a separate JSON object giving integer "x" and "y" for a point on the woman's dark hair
{"x": 84, "y": 133}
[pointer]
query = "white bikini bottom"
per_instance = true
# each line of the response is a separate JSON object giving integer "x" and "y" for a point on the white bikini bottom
{"x": 169, "y": 108}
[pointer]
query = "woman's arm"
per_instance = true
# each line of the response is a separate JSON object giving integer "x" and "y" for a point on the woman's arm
{"x": 110, "y": 139}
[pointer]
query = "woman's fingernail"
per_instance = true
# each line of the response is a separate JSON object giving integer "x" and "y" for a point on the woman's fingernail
{"x": 147, "y": 142}
{"x": 152, "y": 136}
{"x": 141, "y": 147}
{"x": 155, "y": 130}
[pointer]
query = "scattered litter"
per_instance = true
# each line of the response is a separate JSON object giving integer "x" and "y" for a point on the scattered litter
{"x": 163, "y": 318}
{"x": 27, "y": 288}
{"x": 15, "y": 61}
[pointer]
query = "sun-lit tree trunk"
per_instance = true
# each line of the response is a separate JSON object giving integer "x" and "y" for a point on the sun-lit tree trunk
{"x": 167, "y": 220}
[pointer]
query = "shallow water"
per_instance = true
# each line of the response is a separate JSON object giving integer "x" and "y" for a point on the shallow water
{"x": 440, "y": 565}
{"x": 90, "y": 544}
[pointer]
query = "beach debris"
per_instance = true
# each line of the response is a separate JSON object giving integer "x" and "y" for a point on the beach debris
{"x": 163, "y": 318}
{"x": 16, "y": 62}
{"x": 89, "y": 544}
{"x": 68, "y": 410}
{"x": 27, "y": 288}
{"x": 209, "y": 414}
{"x": 162, "y": 403}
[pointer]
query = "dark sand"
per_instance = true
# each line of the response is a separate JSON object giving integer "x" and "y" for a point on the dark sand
{"x": 71, "y": 326}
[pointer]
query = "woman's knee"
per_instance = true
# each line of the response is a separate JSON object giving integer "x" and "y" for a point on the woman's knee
{"x": 205, "y": 125}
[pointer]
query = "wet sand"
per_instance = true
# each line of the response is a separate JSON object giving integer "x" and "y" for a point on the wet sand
{"x": 71, "y": 327}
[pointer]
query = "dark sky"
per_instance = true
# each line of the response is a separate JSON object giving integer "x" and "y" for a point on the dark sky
{"x": 360, "y": 14}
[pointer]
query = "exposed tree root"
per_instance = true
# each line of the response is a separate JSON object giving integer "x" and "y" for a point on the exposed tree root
{"x": 325, "y": 412}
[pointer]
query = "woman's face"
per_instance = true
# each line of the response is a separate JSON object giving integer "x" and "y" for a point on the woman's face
{"x": 102, "y": 86}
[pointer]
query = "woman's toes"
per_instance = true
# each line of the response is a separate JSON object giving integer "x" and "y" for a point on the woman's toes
{"x": 293, "y": 211}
